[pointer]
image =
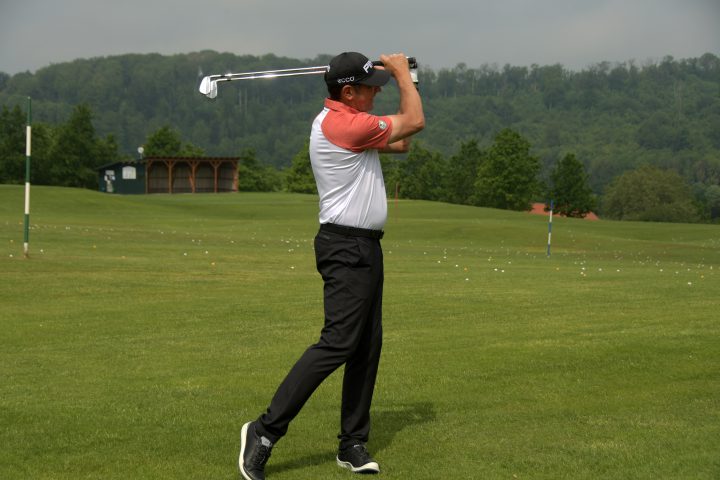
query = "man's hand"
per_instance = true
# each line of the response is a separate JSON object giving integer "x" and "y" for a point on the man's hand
{"x": 401, "y": 146}
{"x": 396, "y": 64}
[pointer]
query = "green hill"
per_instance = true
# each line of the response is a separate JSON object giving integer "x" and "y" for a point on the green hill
{"x": 614, "y": 117}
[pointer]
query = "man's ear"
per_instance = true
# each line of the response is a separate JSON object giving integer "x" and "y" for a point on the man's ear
{"x": 347, "y": 92}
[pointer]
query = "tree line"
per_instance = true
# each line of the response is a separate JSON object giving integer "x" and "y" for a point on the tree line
{"x": 613, "y": 118}
{"x": 66, "y": 155}
{"x": 506, "y": 176}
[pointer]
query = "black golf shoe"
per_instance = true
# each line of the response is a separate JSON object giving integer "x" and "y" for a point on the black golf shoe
{"x": 357, "y": 459}
{"x": 254, "y": 453}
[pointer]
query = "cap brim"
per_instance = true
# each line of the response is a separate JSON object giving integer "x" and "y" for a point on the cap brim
{"x": 377, "y": 79}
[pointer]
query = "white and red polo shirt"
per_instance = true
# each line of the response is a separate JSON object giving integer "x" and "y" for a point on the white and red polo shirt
{"x": 344, "y": 145}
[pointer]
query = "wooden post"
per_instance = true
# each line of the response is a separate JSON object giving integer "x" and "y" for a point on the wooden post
{"x": 216, "y": 164}
{"x": 236, "y": 180}
{"x": 170, "y": 164}
{"x": 193, "y": 172}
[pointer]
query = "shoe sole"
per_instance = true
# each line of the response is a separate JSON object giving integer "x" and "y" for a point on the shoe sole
{"x": 243, "y": 442}
{"x": 368, "y": 468}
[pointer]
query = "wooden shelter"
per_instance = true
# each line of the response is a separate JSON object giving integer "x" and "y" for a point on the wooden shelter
{"x": 171, "y": 175}
{"x": 191, "y": 174}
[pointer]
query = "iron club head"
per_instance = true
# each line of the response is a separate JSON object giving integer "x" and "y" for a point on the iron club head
{"x": 208, "y": 87}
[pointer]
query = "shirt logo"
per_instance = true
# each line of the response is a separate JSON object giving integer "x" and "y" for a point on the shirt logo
{"x": 382, "y": 124}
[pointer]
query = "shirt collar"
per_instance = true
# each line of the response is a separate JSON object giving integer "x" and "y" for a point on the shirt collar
{"x": 339, "y": 106}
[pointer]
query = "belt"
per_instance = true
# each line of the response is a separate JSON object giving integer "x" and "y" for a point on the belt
{"x": 351, "y": 231}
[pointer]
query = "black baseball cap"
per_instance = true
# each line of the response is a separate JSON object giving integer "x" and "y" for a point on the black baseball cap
{"x": 353, "y": 68}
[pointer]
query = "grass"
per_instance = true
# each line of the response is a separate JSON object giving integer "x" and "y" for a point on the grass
{"x": 145, "y": 330}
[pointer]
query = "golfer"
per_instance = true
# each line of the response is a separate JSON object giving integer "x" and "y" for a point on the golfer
{"x": 345, "y": 143}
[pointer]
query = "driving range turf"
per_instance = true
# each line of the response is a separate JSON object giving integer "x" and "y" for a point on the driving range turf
{"x": 143, "y": 331}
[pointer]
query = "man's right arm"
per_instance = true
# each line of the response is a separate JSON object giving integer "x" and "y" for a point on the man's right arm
{"x": 410, "y": 119}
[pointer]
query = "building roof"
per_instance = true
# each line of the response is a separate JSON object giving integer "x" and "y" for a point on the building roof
{"x": 192, "y": 158}
{"x": 138, "y": 163}
{"x": 121, "y": 162}
{"x": 539, "y": 209}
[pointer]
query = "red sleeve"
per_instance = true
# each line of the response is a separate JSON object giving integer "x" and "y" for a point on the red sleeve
{"x": 357, "y": 132}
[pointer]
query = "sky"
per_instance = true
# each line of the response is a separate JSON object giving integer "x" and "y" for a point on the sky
{"x": 440, "y": 34}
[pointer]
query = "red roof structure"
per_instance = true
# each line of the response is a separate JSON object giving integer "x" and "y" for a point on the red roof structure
{"x": 539, "y": 209}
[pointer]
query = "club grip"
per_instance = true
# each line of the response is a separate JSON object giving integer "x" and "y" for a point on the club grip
{"x": 412, "y": 62}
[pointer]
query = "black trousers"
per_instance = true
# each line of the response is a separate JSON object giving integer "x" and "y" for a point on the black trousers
{"x": 352, "y": 271}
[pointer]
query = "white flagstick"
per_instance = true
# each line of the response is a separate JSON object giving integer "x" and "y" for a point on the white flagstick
{"x": 550, "y": 227}
{"x": 28, "y": 133}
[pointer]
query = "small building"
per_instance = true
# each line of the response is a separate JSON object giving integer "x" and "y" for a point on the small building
{"x": 122, "y": 177}
{"x": 170, "y": 175}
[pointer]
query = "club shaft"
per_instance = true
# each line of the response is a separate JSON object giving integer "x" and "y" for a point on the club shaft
{"x": 288, "y": 72}
{"x": 208, "y": 85}
{"x": 269, "y": 73}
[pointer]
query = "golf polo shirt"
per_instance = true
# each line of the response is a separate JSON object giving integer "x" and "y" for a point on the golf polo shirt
{"x": 344, "y": 145}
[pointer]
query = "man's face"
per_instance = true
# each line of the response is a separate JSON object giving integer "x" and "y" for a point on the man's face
{"x": 363, "y": 96}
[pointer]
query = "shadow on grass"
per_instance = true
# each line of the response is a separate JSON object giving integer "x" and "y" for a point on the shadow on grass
{"x": 302, "y": 462}
{"x": 387, "y": 421}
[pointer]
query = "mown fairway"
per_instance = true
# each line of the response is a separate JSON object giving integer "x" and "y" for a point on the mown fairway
{"x": 145, "y": 330}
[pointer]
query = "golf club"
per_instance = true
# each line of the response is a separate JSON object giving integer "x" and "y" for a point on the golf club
{"x": 209, "y": 84}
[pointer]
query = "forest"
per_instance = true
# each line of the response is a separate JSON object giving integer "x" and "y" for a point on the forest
{"x": 614, "y": 118}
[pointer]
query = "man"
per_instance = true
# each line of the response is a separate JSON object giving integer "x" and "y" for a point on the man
{"x": 345, "y": 142}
